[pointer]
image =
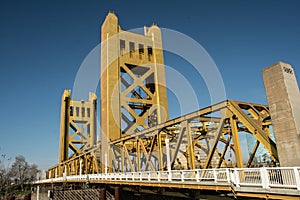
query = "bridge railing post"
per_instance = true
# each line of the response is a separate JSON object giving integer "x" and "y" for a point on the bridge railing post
{"x": 158, "y": 176}
{"x": 264, "y": 178}
{"x": 215, "y": 176}
{"x": 297, "y": 177}
{"x": 132, "y": 176}
{"x": 197, "y": 176}
{"x": 170, "y": 176}
{"x": 236, "y": 178}
{"x": 64, "y": 176}
{"x": 182, "y": 176}
{"x": 149, "y": 176}
{"x": 232, "y": 176}
{"x": 227, "y": 175}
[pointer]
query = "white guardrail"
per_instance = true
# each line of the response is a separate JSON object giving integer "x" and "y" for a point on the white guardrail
{"x": 277, "y": 177}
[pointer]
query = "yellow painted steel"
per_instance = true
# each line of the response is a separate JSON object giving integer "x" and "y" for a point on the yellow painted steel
{"x": 196, "y": 141}
{"x": 134, "y": 111}
{"x": 212, "y": 139}
{"x": 266, "y": 196}
{"x": 89, "y": 164}
{"x": 133, "y": 83}
{"x": 236, "y": 142}
{"x": 256, "y": 126}
{"x": 135, "y": 125}
{"x": 77, "y": 128}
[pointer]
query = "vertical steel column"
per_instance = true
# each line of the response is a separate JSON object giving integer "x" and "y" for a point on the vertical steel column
{"x": 236, "y": 142}
{"x": 190, "y": 150}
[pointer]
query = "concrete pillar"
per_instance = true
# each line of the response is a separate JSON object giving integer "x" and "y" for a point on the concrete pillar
{"x": 38, "y": 192}
{"x": 284, "y": 102}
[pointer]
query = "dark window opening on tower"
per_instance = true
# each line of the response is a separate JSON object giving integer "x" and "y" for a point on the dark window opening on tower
{"x": 77, "y": 111}
{"x": 71, "y": 110}
{"x": 88, "y": 112}
{"x": 141, "y": 51}
{"x": 131, "y": 49}
{"x": 88, "y": 129}
{"x": 122, "y": 47}
{"x": 82, "y": 112}
{"x": 150, "y": 53}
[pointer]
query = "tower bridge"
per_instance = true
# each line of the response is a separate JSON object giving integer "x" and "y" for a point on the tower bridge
{"x": 186, "y": 156}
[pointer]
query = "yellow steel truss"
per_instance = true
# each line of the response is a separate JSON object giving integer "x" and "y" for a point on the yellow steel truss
{"x": 85, "y": 163}
{"x": 207, "y": 138}
{"x": 202, "y": 139}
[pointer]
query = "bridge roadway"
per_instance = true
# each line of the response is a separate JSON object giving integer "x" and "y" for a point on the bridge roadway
{"x": 269, "y": 183}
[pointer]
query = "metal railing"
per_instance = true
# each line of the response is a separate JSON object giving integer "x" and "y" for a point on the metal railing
{"x": 267, "y": 178}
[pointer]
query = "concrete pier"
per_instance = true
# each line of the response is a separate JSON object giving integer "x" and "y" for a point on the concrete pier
{"x": 284, "y": 102}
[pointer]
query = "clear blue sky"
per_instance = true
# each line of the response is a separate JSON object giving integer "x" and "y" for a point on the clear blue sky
{"x": 43, "y": 43}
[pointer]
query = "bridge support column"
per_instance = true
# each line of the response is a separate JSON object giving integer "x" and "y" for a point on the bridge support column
{"x": 284, "y": 101}
{"x": 117, "y": 193}
{"x": 38, "y": 192}
{"x": 103, "y": 194}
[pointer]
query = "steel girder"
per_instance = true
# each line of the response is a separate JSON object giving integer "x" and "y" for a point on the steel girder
{"x": 208, "y": 138}
{"x": 85, "y": 163}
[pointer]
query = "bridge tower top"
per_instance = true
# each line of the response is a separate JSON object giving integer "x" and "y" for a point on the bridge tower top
{"x": 133, "y": 84}
{"x": 77, "y": 125}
